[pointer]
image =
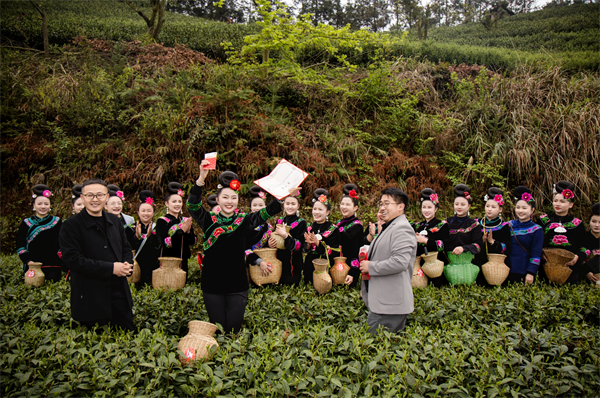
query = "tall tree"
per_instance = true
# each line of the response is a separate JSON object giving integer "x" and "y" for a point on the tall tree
{"x": 157, "y": 18}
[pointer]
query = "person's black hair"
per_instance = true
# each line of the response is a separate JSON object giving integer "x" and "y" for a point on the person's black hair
{"x": 172, "y": 188}
{"x": 212, "y": 200}
{"x": 317, "y": 194}
{"x": 595, "y": 210}
{"x": 426, "y": 195}
{"x": 492, "y": 192}
{"x": 76, "y": 193}
{"x": 463, "y": 191}
{"x": 347, "y": 189}
{"x": 225, "y": 179}
{"x": 145, "y": 194}
{"x": 560, "y": 186}
{"x": 93, "y": 181}
{"x": 38, "y": 190}
{"x": 397, "y": 194}
{"x": 113, "y": 189}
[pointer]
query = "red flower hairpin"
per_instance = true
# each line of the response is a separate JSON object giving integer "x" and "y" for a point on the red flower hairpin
{"x": 235, "y": 185}
{"x": 568, "y": 194}
{"x": 120, "y": 195}
{"x": 353, "y": 194}
{"x": 322, "y": 198}
{"x": 149, "y": 200}
{"x": 499, "y": 199}
{"x": 526, "y": 197}
{"x": 47, "y": 193}
{"x": 467, "y": 195}
{"x": 262, "y": 195}
{"x": 434, "y": 198}
{"x": 180, "y": 192}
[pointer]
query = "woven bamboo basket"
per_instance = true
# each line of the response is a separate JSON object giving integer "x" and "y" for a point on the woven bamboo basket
{"x": 35, "y": 276}
{"x": 419, "y": 279}
{"x": 321, "y": 279}
{"x": 136, "y": 274}
{"x": 198, "y": 342}
{"x": 432, "y": 266}
{"x": 280, "y": 239}
{"x": 169, "y": 275}
{"x": 597, "y": 276}
{"x": 339, "y": 271}
{"x": 461, "y": 271}
{"x": 555, "y": 268}
{"x": 269, "y": 255}
{"x": 495, "y": 271}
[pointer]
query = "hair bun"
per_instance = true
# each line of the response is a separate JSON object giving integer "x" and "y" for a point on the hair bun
{"x": 596, "y": 209}
{"x": 255, "y": 191}
{"x": 226, "y": 177}
{"x": 562, "y": 185}
{"x": 493, "y": 191}
{"x": 320, "y": 191}
{"x": 350, "y": 187}
{"x": 426, "y": 194}
{"x": 462, "y": 191}
{"x": 174, "y": 187}
{"x": 112, "y": 189}
{"x": 145, "y": 194}
{"x": 77, "y": 190}
{"x": 39, "y": 189}
{"x": 212, "y": 200}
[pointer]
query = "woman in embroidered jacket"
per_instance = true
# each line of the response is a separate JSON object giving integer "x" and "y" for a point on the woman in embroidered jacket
{"x": 464, "y": 232}
{"x": 527, "y": 240}
{"x": 321, "y": 235}
{"x": 145, "y": 242}
{"x": 260, "y": 235}
{"x": 291, "y": 257}
{"x": 175, "y": 234}
{"x": 37, "y": 239}
{"x": 564, "y": 231}
{"x": 592, "y": 246}
{"x": 224, "y": 280}
{"x": 431, "y": 232}
{"x": 496, "y": 233}
{"x": 351, "y": 232}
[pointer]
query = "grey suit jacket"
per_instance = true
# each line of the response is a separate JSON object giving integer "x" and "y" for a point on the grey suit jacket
{"x": 391, "y": 258}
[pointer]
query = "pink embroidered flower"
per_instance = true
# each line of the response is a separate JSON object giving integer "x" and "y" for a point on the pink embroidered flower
{"x": 560, "y": 240}
{"x": 587, "y": 252}
{"x": 329, "y": 251}
{"x": 554, "y": 225}
{"x": 326, "y": 233}
{"x": 218, "y": 232}
{"x": 59, "y": 254}
{"x": 341, "y": 229}
{"x": 308, "y": 229}
{"x": 150, "y": 201}
{"x": 526, "y": 197}
{"x": 213, "y": 218}
{"x": 280, "y": 221}
{"x": 499, "y": 199}
{"x": 168, "y": 241}
{"x": 576, "y": 221}
{"x": 355, "y": 263}
{"x": 120, "y": 195}
{"x": 434, "y": 198}
{"x": 238, "y": 220}
{"x": 262, "y": 195}
{"x": 47, "y": 193}
{"x": 297, "y": 245}
{"x": 568, "y": 194}
{"x": 294, "y": 225}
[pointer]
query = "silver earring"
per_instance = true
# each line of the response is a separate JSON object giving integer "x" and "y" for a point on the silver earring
{"x": 326, "y": 218}
{"x": 468, "y": 213}
{"x": 297, "y": 213}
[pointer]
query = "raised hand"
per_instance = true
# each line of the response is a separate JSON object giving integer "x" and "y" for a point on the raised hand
{"x": 203, "y": 172}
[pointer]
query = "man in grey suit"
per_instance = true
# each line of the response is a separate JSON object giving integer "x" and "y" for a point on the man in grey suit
{"x": 388, "y": 293}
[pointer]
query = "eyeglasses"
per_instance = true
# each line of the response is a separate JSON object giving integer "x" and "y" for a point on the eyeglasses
{"x": 90, "y": 196}
{"x": 386, "y": 204}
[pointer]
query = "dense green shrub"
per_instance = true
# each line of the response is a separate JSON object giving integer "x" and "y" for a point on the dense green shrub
{"x": 467, "y": 341}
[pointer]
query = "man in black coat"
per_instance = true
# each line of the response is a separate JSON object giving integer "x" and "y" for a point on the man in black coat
{"x": 97, "y": 253}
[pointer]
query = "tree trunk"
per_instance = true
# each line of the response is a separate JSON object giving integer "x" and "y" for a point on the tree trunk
{"x": 156, "y": 20}
{"x": 44, "y": 30}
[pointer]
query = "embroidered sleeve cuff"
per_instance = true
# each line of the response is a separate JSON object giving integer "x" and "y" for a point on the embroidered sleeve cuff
{"x": 535, "y": 260}
{"x": 503, "y": 247}
{"x": 478, "y": 248}
{"x": 440, "y": 245}
{"x": 297, "y": 245}
{"x": 22, "y": 250}
{"x": 264, "y": 214}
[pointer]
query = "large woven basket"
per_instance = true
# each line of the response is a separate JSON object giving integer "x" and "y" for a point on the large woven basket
{"x": 280, "y": 239}
{"x": 495, "y": 271}
{"x": 558, "y": 256}
{"x": 555, "y": 268}
{"x": 432, "y": 266}
{"x": 339, "y": 271}
{"x": 597, "y": 276}
{"x": 269, "y": 255}
{"x": 198, "y": 342}
{"x": 169, "y": 275}
{"x": 419, "y": 279}
{"x": 35, "y": 276}
{"x": 461, "y": 274}
{"x": 321, "y": 279}
{"x": 136, "y": 274}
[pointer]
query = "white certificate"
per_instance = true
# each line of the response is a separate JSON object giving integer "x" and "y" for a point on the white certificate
{"x": 284, "y": 177}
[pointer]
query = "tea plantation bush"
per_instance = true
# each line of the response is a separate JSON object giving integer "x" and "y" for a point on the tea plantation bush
{"x": 466, "y": 341}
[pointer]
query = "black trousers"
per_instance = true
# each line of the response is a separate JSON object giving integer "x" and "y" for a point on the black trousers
{"x": 122, "y": 313}
{"x": 226, "y": 309}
